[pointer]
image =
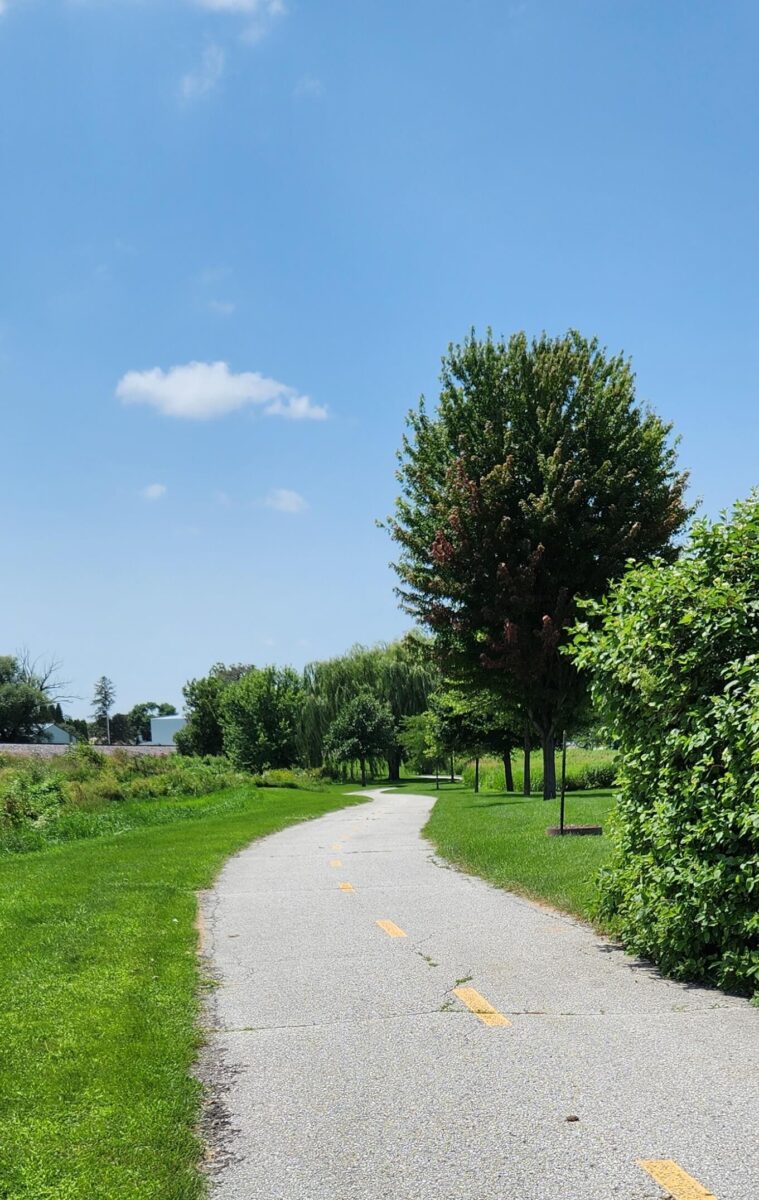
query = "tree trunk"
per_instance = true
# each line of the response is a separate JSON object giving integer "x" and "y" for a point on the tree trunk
{"x": 453, "y": 774}
{"x": 549, "y": 765}
{"x": 526, "y": 790}
{"x": 508, "y": 774}
{"x": 477, "y": 774}
{"x": 394, "y": 765}
{"x": 363, "y": 772}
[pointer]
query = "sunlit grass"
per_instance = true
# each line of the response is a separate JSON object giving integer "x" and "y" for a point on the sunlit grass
{"x": 502, "y": 837}
{"x": 99, "y": 986}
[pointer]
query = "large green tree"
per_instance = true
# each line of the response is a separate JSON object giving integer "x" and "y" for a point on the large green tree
{"x": 536, "y": 479}
{"x": 203, "y": 733}
{"x": 259, "y": 718}
{"x": 24, "y": 702}
{"x": 103, "y": 698}
{"x": 363, "y": 729}
{"x": 401, "y": 674}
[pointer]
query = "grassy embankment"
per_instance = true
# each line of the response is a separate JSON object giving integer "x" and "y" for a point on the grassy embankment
{"x": 99, "y": 986}
{"x": 502, "y": 837}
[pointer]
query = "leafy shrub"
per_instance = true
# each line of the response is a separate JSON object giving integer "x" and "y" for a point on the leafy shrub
{"x": 28, "y": 799}
{"x": 75, "y": 788}
{"x": 674, "y": 656}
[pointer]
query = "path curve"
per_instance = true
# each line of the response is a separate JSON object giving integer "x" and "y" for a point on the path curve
{"x": 347, "y": 1062}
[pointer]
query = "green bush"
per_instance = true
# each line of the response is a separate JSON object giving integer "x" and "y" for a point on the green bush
{"x": 674, "y": 657}
{"x": 31, "y": 800}
{"x": 50, "y": 792}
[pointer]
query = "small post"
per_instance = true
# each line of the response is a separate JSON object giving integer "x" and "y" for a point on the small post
{"x": 563, "y": 780}
{"x": 437, "y": 774}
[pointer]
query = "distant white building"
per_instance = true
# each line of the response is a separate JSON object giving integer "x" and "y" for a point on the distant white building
{"x": 164, "y": 729}
{"x": 55, "y": 736}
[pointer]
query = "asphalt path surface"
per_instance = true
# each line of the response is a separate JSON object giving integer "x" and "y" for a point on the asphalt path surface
{"x": 499, "y": 1049}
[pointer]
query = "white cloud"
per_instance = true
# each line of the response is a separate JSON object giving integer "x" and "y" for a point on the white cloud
{"x": 254, "y": 8}
{"x": 154, "y": 491}
{"x": 296, "y": 408}
{"x": 199, "y": 83}
{"x": 308, "y": 88}
{"x": 286, "y": 501}
{"x": 200, "y": 391}
{"x": 223, "y": 308}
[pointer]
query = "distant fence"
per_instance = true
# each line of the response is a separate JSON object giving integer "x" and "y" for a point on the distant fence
{"x": 49, "y": 750}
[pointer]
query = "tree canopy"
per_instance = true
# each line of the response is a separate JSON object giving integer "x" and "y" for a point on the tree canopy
{"x": 259, "y": 718}
{"x": 363, "y": 729}
{"x": 24, "y": 702}
{"x": 537, "y": 478}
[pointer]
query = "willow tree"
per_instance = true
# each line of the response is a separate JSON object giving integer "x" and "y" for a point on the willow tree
{"x": 537, "y": 478}
{"x": 401, "y": 675}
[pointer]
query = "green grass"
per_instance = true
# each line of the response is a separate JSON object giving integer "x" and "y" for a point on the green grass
{"x": 503, "y": 838}
{"x": 99, "y": 986}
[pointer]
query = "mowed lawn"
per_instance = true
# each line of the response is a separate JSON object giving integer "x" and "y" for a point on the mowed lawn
{"x": 99, "y": 1001}
{"x": 502, "y": 837}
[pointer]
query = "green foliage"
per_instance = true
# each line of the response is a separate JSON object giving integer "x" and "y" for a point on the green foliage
{"x": 364, "y": 728}
{"x": 24, "y": 702}
{"x": 259, "y": 718}
{"x": 401, "y": 674}
{"x": 84, "y": 793}
{"x": 536, "y": 479}
{"x": 203, "y": 733}
{"x": 103, "y": 698}
{"x": 674, "y": 657}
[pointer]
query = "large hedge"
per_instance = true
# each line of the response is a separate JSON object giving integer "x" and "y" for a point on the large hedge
{"x": 674, "y": 657}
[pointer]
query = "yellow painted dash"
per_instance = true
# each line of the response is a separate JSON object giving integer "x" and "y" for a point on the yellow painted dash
{"x": 337, "y": 845}
{"x": 391, "y": 929}
{"x": 676, "y": 1181}
{"x": 346, "y": 887}
{"x": 480, "y": 1007}
{"x": 335, "y": 862}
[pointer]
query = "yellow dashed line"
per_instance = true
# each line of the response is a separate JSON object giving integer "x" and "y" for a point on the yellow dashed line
{"x": 391, "y": 929}
{"x": 335, "y": 862}
{"x": 346, "y": 887}
{"x": 337, "y": 845}
{"x": 480, "y": 1007}
{"x": 676, "y": 1181}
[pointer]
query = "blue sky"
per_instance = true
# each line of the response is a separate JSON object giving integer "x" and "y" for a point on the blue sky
{"x": 236, "y": 237}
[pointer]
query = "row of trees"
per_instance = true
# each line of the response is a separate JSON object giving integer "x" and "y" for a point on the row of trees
{"x": 351, "y": 708}
{"x": 30, "y": 699}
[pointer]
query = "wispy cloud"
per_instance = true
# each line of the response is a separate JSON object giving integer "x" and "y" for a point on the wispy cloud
{"x": 286, "y": 501}
{"x": 201, "y": 391}
{"x": 308, "y": 88}
{"x": 154, "y": 491}
{"x": 222, "y": 308}
{"x": 201, "y": 82}
{"x": 259, "y": 14}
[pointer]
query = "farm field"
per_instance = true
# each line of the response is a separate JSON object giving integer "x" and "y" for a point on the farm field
{"x": 99, "y": 981}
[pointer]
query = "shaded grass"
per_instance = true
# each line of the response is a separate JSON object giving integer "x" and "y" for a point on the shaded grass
{"x": 502, "y": 837}
{"x": 99, "y": 985}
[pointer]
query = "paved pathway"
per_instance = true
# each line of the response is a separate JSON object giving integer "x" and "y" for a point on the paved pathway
{"x": 348, "y": 1067}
